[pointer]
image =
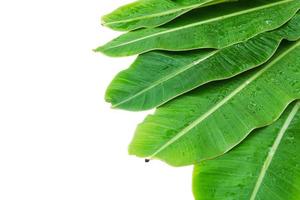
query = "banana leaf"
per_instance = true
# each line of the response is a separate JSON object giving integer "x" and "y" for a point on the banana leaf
{"x": 265, "y": 166}
{"x": 216, "y": 26}
{"x": 213, "y": 119}
{"x": 151, "y": 13}
{"x": 157, "y": 77}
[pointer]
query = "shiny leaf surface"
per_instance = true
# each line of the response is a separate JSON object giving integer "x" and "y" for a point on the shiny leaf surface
{"x": 264, "y": 166}
{"x": 216, "y": 26}
{"x": 157, "y": 77}
{"x": 213, "y": 119}
{"x": 150, "y": 13}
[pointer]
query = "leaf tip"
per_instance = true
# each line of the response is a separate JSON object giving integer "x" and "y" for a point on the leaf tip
{"x": 102, "y": 49}
{"x": 113, "y": 106}
{"x": 98, "y": 49}
{"x": 102, "y": 21}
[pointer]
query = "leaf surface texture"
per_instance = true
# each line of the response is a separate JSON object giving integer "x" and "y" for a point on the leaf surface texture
{"x": 157, "y": 77}
{"x": 150, "y": 13}
{"x": 216, "y": 26}
{"x": 264, "y": 166}
{"x": 211, "y": 120}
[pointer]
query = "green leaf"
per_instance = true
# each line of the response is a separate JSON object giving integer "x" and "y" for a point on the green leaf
{"x": 206, "y": 28}
{"x": 211, "y": 120}
{"x": 157, "y": 77}
{"x": 265, "y": 166}
{"x": 151, "y": 13}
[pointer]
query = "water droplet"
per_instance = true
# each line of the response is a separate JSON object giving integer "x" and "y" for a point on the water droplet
{"x": 268, "y": 21}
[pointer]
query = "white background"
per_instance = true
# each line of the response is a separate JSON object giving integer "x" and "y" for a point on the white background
{"x": 59, "y": 140}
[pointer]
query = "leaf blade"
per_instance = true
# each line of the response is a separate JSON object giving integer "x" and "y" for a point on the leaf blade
{"x": 200, "y": 29}
{"x": 150, "y": 13}
{"x": 261, "y": 160}
{"x": 197, "y": 126}
{"x": 157, "y": 77}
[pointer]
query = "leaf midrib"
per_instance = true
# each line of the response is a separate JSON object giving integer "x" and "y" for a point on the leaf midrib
{"x": 273, "y": 150}
{"x": 166, "y": 78}
{"x": 201, "y": 22}
{"x": 224, "y": 101}
{"x": 157, "y": 14}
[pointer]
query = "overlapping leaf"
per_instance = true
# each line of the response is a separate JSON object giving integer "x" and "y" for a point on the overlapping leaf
{"x": 265, "y": 166}
{"x": 156, "y": 77}
{"x": 211, "y": 27}
{"x": 209, "y": 44}
{"x": 151, "y": 13}
{"x": 213, "y": 119}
